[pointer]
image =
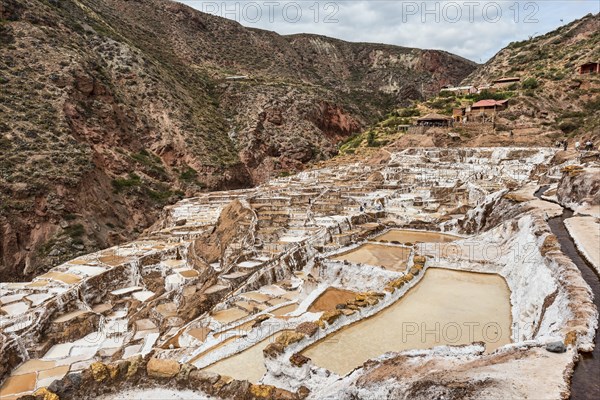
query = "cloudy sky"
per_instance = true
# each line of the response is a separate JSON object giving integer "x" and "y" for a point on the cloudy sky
{"x": 472, "y": 29}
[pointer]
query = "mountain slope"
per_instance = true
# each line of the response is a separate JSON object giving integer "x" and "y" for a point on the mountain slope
{"x": 556, "y": 99}
{"x": 112, "y": 109}
{"x": 552, "y": 102}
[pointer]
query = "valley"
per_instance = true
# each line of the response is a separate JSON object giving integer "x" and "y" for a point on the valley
{"x": 191, "y": 208}
{"x": 265, "y": 293}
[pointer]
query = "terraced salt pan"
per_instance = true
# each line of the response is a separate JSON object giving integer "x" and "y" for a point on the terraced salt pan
{"x": 15, "y": 308}
{"x": 281, "y": 311}
{"x": 86, "y": 270}
{"x": 199, "y": 333}
{"x": 211, "y": 349}
{"x": 248, "y": 364}
{"x": 45, "y": 378}
{"x": 256, "y": 296}
{"x": 112, "y": 260}
{"x": 57, "y": 351}
{"x": 229, "y": 315}
{"x": 272, "y": 290}
{"x": 251, "y": 306}
{"x": 143, "y": 295}
{"x": 42, "y": 283}
{"x": 70, "y": 315}
{"x": 125, "y": 291}
{"x": 330, "y": 298}
{"x": 11, "y": 298}
{"x": 39, "y": 298}
{"x": 452, "y": 300}
{"x": 390, "y": 257}
{"x": 249, "y": 264}
{"x": 410, "y": 236}
{"x": 173, "y": 263}
{"x": 34, "y": 365}
{"x": 204, "y": 212}
{"x": 276, "y": 301}
{"x": 188, "y": 273}
{"x": 19, "y": 384}
{"x": 69, "y": 279}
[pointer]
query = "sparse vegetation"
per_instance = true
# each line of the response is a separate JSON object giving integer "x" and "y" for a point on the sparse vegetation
{"x": 75, "y": 231}
{"x": 350, "y": 144}
{"x": 123, "y": 183}
{"x": 484, "y": 95}
{"x": 570, "y": 125}
{"x": 189, "y": 174}
{"x": 409, "y": 112}
{"x": 530, "y": 83}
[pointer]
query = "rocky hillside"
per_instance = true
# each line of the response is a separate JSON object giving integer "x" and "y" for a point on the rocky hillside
{"x": 552, "y": 96}
{"x": 552, "y": 101}
{"x": 112, "y": 109}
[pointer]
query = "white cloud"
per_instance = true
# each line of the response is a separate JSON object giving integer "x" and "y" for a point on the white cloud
{"x": 472, "y": 29}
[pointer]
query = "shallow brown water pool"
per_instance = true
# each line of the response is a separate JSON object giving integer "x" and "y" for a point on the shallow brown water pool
{"x": 247, "y": 365}
{"x": 390, "y": 257}
{"x": 446, "y": 307}
{"x": 330, "y": 298}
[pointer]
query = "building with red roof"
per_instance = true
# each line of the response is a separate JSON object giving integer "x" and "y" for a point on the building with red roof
{"x": 484, "y": 109}
{"x": 492, "y": 104}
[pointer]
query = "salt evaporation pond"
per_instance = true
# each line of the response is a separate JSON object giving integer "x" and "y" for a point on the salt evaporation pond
{"x": 453, "y": 299}
{"x": 390, "y": 257}
{"x": 247, "y": 365}
{"x": 330, "y": 298}
{"x": 408, "y": 236}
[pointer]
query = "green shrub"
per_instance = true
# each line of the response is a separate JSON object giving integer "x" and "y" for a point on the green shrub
{"x": 152, "y": 162}
{"x": 441, "y": 102}
{"x": 485, "y": 95}
{"x": 159, "y": 196}
{"x": 445, "y": 93}
{"x": 75, "y": 231}
{"x": 530, "y": 83}
{"x": 123, "y": 183}
{"x": 371, "y": 142}
{"x": 409, "y": 112}
{"x": 570, "y": 126}
{"x": 189, "y": 174}
{"x": 351, "y": 143}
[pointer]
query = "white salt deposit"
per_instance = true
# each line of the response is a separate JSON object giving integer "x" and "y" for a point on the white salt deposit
{"x": 156, "y": 394}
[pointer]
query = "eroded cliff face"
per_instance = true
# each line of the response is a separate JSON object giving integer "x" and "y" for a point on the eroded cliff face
{"x": 233, "y": 231}
{"x": 579, "y": 185}
{"x": 106, "y": 123}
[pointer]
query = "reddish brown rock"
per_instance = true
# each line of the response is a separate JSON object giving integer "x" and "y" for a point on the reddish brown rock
{"x": 330, "y": 316}
{"x": 307, "y": 328}
{"x": 298, "y": 359}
